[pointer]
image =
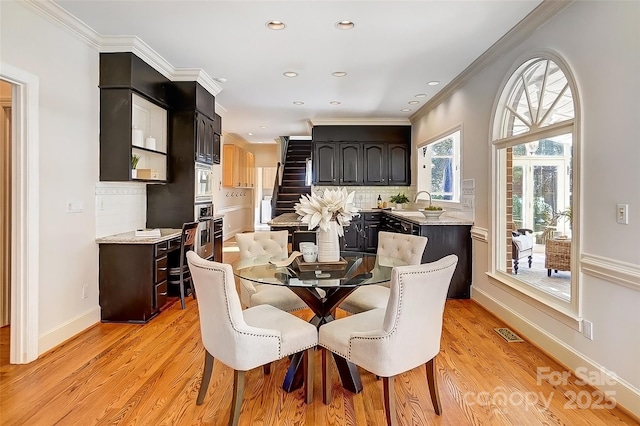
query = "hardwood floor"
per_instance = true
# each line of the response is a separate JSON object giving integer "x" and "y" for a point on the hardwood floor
{"x": 121, "y": 374}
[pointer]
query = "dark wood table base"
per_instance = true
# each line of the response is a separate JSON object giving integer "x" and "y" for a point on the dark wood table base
{"x": 323, "y": 308}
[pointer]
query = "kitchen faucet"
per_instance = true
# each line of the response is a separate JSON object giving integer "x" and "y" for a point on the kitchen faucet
{"x": 420, "y": 192}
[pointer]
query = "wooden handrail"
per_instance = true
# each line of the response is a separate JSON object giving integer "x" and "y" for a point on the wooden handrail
{"x": 276, "y": 190}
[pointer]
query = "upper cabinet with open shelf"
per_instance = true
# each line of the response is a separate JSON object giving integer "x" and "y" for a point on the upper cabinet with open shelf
{"x": 133, "y": 119}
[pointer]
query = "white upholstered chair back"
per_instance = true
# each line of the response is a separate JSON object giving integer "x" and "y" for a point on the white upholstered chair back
{"x": 225, "y": 334}
{"x": 253, "y": 244}
{"x": 405, "y": 247}
{"x": 412, "y": 326}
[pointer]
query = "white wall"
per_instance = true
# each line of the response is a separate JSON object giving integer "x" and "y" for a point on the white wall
{"x": 601, "y": 43}
{"x": 69, "y": 121}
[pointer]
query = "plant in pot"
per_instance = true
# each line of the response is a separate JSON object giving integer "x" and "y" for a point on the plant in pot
{"x": 399, "y": 199}
{"x": 134, "y": 164}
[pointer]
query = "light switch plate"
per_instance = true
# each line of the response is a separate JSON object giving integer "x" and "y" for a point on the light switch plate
{"x": 622, "y": 213}
{"x": 74, "y": 206}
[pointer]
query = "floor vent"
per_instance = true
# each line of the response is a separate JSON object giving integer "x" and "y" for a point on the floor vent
{"x": 508, "y": 335}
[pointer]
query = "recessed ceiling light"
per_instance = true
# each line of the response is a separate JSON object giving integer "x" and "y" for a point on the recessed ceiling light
{"x": 290, "y": 74}
{"x": 250, "y": 134}
{"x": 433, "y": 83}
{"x": 275, "y": 25}
{"x": 298, "y": 103}
{"x": 220, "y": 80}
{"x": 413, "y": 102}
{"x": 263, "y": 127}
{"x": 405, "y": 109}
{"x": 421, "y": 95}
{"x": 335, "y": 102}
{"x": 345, "y": 25}
{"x": 339, "y": 74}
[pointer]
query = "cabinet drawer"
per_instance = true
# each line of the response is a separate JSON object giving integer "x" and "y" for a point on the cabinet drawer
{"x": 217, "y": 225}
{"x": 173, "y": 244}
{"x": 160, "y": 249}
{"x": 160, "y": 295}
{"x": 372, "y": 216}
{"x": 160, "y": 269}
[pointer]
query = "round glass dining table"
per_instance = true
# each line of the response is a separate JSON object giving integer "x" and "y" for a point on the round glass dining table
{"x": 322, "y": 286}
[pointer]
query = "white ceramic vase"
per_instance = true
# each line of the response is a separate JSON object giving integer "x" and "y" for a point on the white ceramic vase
{"x": 329, "y": 243}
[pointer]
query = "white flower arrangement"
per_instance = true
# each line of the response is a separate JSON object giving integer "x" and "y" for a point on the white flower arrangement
{"x": 334, "y": 204}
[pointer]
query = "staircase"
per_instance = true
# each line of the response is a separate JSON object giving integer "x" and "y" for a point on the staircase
{"x": 293, "y": 176}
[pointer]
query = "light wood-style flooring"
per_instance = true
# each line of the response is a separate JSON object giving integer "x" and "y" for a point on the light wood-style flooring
{"x": 120, "y": 374}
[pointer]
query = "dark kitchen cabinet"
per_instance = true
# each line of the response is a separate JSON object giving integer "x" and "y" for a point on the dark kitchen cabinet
{"x": 399, "y": 170}
{"x": 352, "y": 239}
{"x": 443, "y": 240}
{"x": 133, "y": 119}
{"x": 362, "y": 233}
{"x": 350, "y": 163}
{"x": 217, "y": 240}
{"x": 375, "y": 164}
{"x": 204, "y": 139}
{"x": 133, "y": 279}
{"x": 325, "y": 163}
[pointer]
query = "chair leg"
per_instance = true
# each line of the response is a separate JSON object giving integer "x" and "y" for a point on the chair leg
{"x": 238, "y": 392}
{"x": 206, "y": 377}
{"x": 389, "y": 401}
{"x": 326, "y": 379}
{"x": 530, "y": 260}
{"x": 308, "y": 375}
{"x": 266, "y": 369}
{"x": 515, "y": 266}
{"x": 548, "y": 272}
{"x": 432, "y": 382}
{"x": 182, "y": 291}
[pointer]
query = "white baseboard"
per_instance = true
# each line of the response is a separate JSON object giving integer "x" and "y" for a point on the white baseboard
{"x": 625, "y": 394}
{"x": 68, "y": 330}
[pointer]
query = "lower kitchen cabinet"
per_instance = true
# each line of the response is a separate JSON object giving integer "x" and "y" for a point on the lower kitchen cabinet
{"x": 362, "y": 233}
{"x": 217, "y": 240}
{"x": 133, "y": 279}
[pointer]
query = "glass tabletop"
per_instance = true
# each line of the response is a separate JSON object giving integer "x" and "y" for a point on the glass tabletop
{"x": 360, "y": 269}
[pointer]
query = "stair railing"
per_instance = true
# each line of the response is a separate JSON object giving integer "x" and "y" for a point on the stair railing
{"x": 276, "y": 190}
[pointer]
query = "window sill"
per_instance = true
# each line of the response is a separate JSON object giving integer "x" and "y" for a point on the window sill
{"x": 563, "y": 313}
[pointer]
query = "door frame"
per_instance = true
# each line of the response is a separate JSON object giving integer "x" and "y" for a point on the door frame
{"x": 25, "y": 235}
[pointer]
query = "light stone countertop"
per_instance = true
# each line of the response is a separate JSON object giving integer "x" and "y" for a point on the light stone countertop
{"x": 293, "y": 220}
{"x": 130, "y": 238}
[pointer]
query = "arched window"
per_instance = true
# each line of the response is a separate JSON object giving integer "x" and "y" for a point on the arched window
{"x": 535, "y": 140}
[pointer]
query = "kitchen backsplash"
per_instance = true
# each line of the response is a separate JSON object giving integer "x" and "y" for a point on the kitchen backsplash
{"x": 120, "y": 207}
{"x": 367, "y": 196}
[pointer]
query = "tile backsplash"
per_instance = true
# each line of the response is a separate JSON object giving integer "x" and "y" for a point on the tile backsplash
{"x": 120, "y": 207}
{"x": 367, "y": 196}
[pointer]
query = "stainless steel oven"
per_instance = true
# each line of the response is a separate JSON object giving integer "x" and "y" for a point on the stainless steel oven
{"x": 204, "y": 243}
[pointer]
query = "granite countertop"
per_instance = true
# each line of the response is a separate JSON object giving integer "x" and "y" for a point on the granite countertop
{"x": 292, "y": 219}
{"x": 130, "y": 238}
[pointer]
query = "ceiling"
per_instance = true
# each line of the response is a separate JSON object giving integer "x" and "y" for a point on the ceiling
{"x": 393, "y": 51}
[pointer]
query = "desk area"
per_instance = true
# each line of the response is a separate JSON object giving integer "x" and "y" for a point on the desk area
{"x": 361, "y": 269}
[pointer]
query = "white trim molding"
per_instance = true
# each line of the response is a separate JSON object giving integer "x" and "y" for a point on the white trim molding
{"x": 480, "y": 234}
{"x": 626, "y": 394}
{"x": 25, "y": 211}
{"x": 615, "y": 271}
{"x": 69, "y": 329}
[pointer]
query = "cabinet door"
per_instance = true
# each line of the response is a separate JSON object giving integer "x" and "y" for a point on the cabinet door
{"x": 228, "y": 165}
{"x": 350, "y": 164}
{"x": 201, "y": 130}
{"x": 208, "y": 141}
{"x": 375, "y": 164}
{"x": 352, "y": 238}
{"x": 371, "y": 236}
{"x": 325, "y": 163}
{"x": 251, "y": 170}
{"x": 399, "y": 164}
{"x": 216, "y": 148}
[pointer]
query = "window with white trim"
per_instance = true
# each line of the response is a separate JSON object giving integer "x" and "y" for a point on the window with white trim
{"x": 439, "y": 167}
{"x": 534, "y": 137}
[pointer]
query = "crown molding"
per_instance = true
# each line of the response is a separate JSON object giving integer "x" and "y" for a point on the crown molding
{"x": 199, "y": 75}
{"x": 359, "y": 122}
{"x": 518, "y": 34}
{"x": 57, "y": 15}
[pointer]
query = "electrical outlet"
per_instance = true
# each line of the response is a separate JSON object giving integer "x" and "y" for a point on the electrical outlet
{"x": 622, "y": 213}
{"x": 85, "y": 289}
{"x": 587, "y": 329}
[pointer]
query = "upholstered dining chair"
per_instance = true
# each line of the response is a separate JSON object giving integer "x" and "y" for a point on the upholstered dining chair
{"x": 404, "y": 247}
{"x": 398, "y": 338}
{"x": 244, "y": 339}
{"x": 179, "y": 275}
{"x": 253, "y": 244}
{"x": 521, "y": 246}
